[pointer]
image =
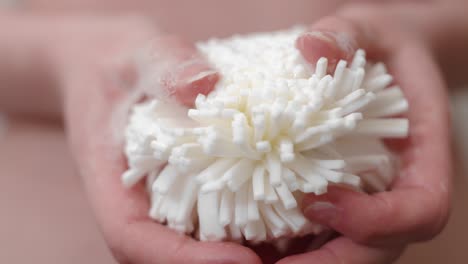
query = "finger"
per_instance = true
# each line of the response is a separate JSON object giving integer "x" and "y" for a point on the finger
{"x": 147, "y": 242}
{"x": 192, "y": 74}
{"x": 183, "y": 71}
{"x": 343, "y": 250}
{"x": 195, "y": 77}
{"x": 389, "y": 218}
{"x": 335, "y": 38}
{"x": 417, "y": 207}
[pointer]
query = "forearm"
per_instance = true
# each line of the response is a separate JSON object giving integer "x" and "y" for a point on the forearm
{"x": 442, "y": 26}
{"x": 39, "y": 52}
{"x": 449, "y": 37}
{"x": 27, "y": 81}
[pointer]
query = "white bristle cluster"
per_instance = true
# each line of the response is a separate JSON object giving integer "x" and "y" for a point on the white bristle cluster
{"x": 236, "y": 165}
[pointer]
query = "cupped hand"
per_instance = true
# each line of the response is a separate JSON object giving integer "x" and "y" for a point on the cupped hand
{"x": 376, "y": 228}
{"x": 98, "y": 84}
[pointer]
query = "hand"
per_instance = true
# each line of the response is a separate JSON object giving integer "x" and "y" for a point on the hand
{"x": 92, "y": 99}
{"x": 376, "y": 228}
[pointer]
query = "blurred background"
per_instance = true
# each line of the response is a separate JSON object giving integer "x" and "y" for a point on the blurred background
{"x": 44, "y": 215}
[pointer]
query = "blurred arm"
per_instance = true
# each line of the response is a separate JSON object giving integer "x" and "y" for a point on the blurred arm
{"x": 39, "y": 51}
{"x": 442, "y": 25}
{"x": 27, "y": 81}
{"x": 448, "y": 33}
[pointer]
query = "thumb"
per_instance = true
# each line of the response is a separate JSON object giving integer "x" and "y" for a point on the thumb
{"x": 173, "y": 67}
{"x": 193, "y": 77}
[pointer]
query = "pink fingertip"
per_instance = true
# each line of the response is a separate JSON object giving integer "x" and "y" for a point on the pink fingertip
{"x": 317, "y": 44}
{"x": 202, "y": 83}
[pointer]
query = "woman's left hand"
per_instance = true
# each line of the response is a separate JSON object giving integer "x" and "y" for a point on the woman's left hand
{"x": 97, "y": 87}
{"x": 376, "y": 228}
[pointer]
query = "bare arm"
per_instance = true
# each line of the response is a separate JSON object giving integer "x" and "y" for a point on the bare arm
{"x": 38, "y": 51}
{"x": 27, "y": 80}
{"x": 443, "y": 25}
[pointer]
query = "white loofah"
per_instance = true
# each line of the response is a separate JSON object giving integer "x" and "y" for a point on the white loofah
{"x": 239, "y": 162}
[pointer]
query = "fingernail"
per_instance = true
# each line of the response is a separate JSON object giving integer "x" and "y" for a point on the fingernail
{"x": 341, "y": 40}
{"x": 201, "y": 75}
{"x": 334, "y": 46}
{"x": 323, "y": 212}
{"x": 316, "y": 44}
{"x": 316, "y": 41}
{"x": 322, "y": 35}
{"x": 202, "y": 83}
